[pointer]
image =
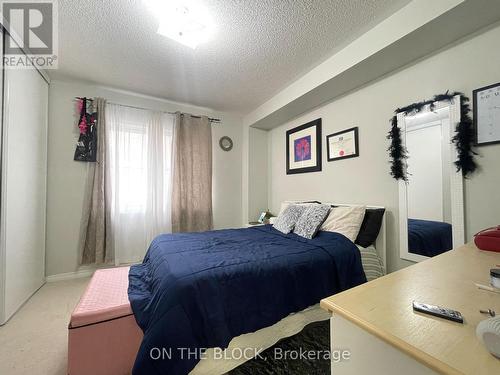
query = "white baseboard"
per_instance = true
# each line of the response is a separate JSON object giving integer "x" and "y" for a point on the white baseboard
{"x": 84, "y": 271}
{"x": 70, "y": 275}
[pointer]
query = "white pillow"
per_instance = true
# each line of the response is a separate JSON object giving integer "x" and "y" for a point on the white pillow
{"x": 345, "y": 220}
{"x": 284, "y": 205}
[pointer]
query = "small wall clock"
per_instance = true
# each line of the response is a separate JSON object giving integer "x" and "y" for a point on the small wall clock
{"x": 487, "y": 114}
{"x": 226, "y": 143}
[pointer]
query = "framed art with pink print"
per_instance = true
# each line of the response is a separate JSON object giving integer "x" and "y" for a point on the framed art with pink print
{"x": 303, "y": 148}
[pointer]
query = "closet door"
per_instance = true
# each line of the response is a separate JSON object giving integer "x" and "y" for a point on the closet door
{"x": 23, "y": 194}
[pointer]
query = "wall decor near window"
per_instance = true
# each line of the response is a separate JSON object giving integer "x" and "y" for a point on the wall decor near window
{"x": 343, "y": 144}
{"x": 303, "y": 148}
{"x": 226, "y": 143}
{"x": 86, "y": 147}
{"x": 487, "y": 114}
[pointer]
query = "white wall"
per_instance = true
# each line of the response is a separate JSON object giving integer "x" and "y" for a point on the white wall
{"x": 257, "y": 170}
{"x": 405, "y": 21}
{"x": 67, "y": 178}
{"x": 471, "y": 64}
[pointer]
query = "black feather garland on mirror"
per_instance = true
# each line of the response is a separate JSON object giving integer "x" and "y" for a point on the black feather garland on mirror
{"x": 397, "y": 152}
{"x": 463, "y": 138}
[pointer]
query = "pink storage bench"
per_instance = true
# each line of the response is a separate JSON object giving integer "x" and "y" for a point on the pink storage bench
{"x": 103, "y": 335}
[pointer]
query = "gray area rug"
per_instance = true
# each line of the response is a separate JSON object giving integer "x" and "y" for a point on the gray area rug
{"x": 314, "y": 337}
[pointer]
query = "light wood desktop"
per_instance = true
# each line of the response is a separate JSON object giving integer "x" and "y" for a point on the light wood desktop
{"x": 377, "y": 323}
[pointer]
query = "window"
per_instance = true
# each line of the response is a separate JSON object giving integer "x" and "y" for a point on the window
{"x": 132, "y": 168}
{"x": 140, "y": 164}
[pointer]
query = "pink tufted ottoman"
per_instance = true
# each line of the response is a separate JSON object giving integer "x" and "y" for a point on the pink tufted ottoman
{"x": 103, "y": 335}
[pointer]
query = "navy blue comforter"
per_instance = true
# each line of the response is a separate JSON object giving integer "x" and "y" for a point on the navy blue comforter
{"x": 429, "y": 238}
{"x": 199, "y": 290}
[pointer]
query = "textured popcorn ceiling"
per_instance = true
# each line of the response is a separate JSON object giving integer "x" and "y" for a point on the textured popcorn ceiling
{"x": 260, "y": 46}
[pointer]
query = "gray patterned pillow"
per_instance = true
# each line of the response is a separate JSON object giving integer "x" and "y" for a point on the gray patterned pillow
{"x": 309, "y": 223}
{"x": 288, "y": 218}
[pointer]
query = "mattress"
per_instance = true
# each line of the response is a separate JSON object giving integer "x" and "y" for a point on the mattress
{"x": 104, "y": 299}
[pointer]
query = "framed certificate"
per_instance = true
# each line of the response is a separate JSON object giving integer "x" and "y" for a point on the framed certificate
{"x": 343, "y": 145}
{"x": 303, "y": 148}
{"x": 487, "y": 114}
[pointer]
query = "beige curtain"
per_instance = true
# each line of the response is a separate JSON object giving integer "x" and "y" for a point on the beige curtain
{"x": 96, "y": 242}
{"x": 192, "y": 174}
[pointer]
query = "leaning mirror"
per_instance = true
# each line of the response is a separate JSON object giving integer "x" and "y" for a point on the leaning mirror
{"x": 431, "y": 212}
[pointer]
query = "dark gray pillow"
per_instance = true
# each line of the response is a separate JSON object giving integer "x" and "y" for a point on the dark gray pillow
{"x": 288, "y": 218}
{"x": 309, "y": 223}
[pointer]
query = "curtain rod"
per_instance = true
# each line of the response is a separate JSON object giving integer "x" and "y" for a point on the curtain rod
{"x": 212, "y": 120}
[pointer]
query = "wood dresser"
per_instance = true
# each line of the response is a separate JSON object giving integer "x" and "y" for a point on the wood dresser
{"x": 375, "y": 321}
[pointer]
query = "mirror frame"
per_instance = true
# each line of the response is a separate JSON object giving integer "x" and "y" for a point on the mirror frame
{"x": 456, "y": 185}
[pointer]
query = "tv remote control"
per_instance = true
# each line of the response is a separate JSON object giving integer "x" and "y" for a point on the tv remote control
{"x": 438, "y": 311}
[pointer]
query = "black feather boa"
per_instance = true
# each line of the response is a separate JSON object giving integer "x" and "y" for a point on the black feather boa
{"x": 397, "y": 152}
{"x": 463, "y": 139}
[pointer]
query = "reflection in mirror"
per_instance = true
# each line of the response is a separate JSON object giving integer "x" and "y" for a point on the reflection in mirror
{"x": 429, "y": 199}
{"x": 431, "y": 202}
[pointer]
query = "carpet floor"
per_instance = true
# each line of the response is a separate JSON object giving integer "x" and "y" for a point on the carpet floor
{"x": 35, "y": 339}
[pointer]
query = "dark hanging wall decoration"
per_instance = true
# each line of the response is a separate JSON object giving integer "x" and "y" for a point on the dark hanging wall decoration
{"x": 86, "y": 147}
{"x": 463, "y": 139}
{"x": 397, "y": 151}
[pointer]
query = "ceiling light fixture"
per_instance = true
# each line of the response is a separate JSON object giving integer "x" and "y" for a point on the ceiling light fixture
{"x": 185, "y": 21}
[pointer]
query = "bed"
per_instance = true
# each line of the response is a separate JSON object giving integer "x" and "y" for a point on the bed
{"x": 103, "y": 327}
{"x": 289, "y": 326}
{"x": 429, "y": 238}
{"x": 221, "y": 287}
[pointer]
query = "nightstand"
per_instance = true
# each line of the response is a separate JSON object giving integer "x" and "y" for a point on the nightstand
{"x": 253, "y": 224}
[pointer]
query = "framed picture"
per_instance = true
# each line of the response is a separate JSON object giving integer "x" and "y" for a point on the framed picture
{"x": 487, "y": 114}
{"x": 343, "y": 145}
{"x": 303, "y": 148}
